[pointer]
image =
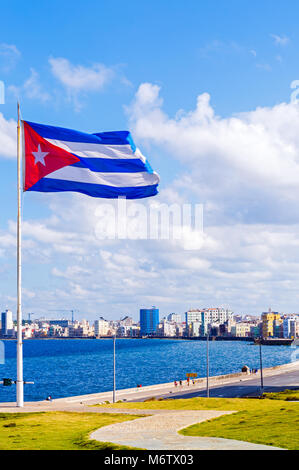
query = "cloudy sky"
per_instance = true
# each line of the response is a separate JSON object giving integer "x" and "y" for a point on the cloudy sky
{"x": 208, "y": 90}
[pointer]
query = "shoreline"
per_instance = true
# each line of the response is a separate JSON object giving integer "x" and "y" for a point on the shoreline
{"x": 84, "y": 402}
{"x": 164, "y": 338}
{"x": 200, "y": 384}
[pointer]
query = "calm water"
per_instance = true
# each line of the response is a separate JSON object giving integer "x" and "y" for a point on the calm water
{"x": 64, "y": 368}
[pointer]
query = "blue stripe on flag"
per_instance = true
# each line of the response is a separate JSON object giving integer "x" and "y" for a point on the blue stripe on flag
{"x": 69, "y": 135}
{"x": 110, "y": 165}
{"x": 94, "y": 190}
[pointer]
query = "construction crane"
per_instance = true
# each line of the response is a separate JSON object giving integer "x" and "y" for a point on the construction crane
{"x": 66, "y": 310}
{"x": 29, "y": 316}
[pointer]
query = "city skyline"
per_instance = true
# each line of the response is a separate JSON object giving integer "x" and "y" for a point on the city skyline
{"x": 135, "y": 315}
{"x": 199, "y": 323}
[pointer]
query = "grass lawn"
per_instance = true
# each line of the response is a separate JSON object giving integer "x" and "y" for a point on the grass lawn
{"x": 268, "y": 421}
{"x": 55, "y": 430}
{"x": 288, "y": 395}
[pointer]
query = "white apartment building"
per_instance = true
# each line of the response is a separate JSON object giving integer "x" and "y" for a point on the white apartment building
{"x": 166, "y": 328}
{"x": 7, "y": 327}
{"x": 290, "y": 327}
{"x": 174, "y": 317}
{"x": 195, "y": 328}
{"x": 206, "y": 317}
{"x": 101, "y": 327}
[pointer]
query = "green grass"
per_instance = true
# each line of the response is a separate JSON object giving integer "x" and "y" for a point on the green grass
{"x": 287, "y": 395}
{"x": 273, "y": 420}
{"x": 274, "y": 427}
{"x": 55, "y": 430}
{"x": 267, "y": 421}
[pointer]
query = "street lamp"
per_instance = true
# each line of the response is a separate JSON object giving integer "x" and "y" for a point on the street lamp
{"x": 208, "y": 363}
{"x": 261, "y": 367}
{"x": 114, "y": 378}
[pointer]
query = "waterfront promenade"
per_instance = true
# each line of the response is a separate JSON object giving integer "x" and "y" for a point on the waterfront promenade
{"x": 232, "y": 385}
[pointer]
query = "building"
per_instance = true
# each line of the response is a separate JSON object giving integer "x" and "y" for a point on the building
{"x": 126, "y": 321}
{"x": 61, "y": 323}
{"x": 101, "y": 327}
{"x": 149, "y": 320}
{"x": 195, "y": 329}
{"x": 270, "y": 322}
{"x": 241, "y": 329}
{"x": 7, "y": 328}
{"x": 174, "y": 317}
{"x": 206, "y": 317}
{"x": 255, "y": 330}
{"x": 166, "y": 328}
{"x": 290, "y": 326}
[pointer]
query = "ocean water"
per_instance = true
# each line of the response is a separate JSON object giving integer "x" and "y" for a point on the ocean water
{"x": 64, "y": 368}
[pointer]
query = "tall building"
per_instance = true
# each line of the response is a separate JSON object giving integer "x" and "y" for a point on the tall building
{"x": 270, "y": 320}
{"x": 7, "y": 323}
{"x": 101, "y": 327}
{"x": 149, "y": 320}
{"x": 290, "y": 326}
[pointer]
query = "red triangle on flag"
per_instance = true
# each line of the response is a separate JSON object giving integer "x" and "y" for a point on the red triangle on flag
{"x": 42, "y": 157}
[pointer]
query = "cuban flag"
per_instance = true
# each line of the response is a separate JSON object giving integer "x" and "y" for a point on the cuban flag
{"x": 106, "y": 165}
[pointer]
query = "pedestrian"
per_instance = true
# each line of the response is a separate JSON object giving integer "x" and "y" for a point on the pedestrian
{"x": 175, "y": 383}
{"x": 181, "y": 383}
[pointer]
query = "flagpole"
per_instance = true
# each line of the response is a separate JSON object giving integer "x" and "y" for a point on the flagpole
{"x": 114, "y": 378}
{"x": 20, "y": 382}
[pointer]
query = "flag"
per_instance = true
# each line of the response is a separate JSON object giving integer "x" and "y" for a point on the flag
{"x": 106, "y": 164}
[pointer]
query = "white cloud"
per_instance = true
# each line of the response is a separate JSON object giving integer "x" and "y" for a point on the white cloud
{"x": 79, "y": 78}
{"x": 9, "y": 55}
{"x": 240, "y": 163}
{"x": 280, "y": 40}
{"x": 8, "y": 137}
{"x": 31, "y": 89}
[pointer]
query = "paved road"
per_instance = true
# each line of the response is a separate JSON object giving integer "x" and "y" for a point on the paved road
{"x": 247, "y": 387}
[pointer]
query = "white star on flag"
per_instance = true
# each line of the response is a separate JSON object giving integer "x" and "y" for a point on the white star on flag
{"x": 40, "y": 156}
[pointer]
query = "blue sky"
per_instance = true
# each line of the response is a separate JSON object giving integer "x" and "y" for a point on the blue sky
{"x": 89, "y": 66}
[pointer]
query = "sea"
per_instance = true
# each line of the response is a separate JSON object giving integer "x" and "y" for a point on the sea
{"x": 70, "y": 367}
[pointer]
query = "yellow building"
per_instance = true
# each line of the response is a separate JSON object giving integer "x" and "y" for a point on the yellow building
{"x": 268, "y": 321}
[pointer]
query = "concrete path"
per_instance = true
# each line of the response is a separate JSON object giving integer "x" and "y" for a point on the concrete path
{"x": 159, "y": 432}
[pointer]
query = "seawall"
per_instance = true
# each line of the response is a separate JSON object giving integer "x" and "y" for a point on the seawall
{"x": 158, "y": 389}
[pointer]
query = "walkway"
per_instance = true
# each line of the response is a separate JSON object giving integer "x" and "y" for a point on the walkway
{"x": 159, "y": 432}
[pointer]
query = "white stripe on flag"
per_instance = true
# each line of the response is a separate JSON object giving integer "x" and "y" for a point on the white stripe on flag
{"x": 89, "y": 150}
{"x": 120, "y": 180}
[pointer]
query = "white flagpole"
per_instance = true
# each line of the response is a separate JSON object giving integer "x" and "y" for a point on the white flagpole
{"x": 20, "y": 382}
{"x": 114, "y": 379}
